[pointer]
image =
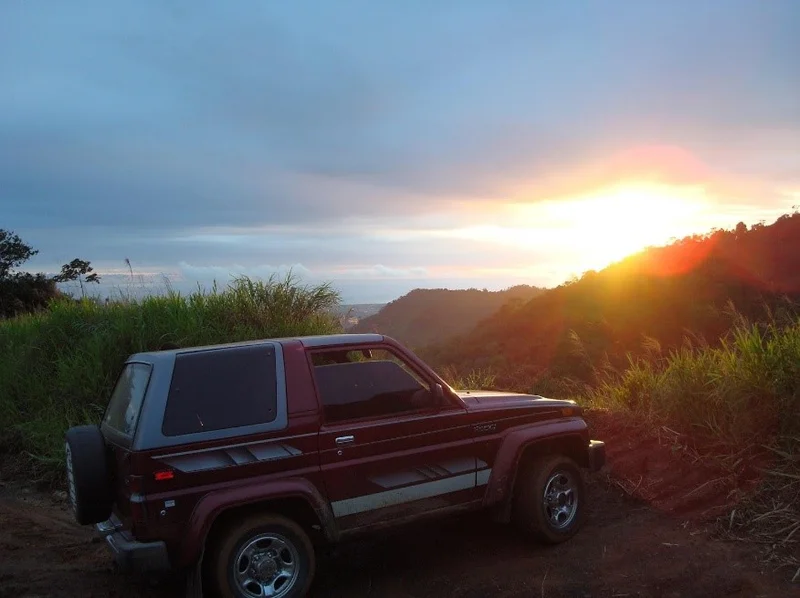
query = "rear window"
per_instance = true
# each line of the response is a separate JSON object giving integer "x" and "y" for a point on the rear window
{"x": 123, "y": 409}
{"x": 221, "y": 389}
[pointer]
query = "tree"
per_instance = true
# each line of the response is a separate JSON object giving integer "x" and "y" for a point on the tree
{"x": 20, "y": 292}
{"x": 79, "y": 270}
{"x": 13, "y": 252}
{"x": 23, "y": 292}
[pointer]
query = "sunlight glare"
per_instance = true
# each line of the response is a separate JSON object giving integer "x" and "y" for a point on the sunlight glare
{"x": 605, "y": 227}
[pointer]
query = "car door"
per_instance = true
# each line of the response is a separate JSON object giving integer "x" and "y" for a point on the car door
{"x": 391, "y": 447}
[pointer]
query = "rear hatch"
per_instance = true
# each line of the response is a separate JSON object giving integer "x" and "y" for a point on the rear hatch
{"x": 119, "y": 426}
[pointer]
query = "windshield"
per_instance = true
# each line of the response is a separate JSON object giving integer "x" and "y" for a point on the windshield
{"x": 123, "y": 409}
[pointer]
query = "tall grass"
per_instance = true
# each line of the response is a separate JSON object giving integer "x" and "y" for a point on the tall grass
{"x": 741, "y": 397}
{"x": 58, "y": 367}
{"x": 746, "y": 389}
{"x": 472, "y": 380}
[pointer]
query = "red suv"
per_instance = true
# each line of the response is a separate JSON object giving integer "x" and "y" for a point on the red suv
{"x": 236, "y": 461}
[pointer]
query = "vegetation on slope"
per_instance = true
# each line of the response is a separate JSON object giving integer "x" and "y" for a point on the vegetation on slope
{"x": 426, "y": 316}
{"x": 57, "y": 367}
{"x": 745, "y": 390}
{"x": 661, "y": 293}
{"x": 739, "y": 402}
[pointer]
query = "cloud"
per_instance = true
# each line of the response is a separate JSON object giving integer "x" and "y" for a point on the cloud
{"x": 335, "y": 135}
{"x": 379, "y": 272}
{"x": 225, "y": 273}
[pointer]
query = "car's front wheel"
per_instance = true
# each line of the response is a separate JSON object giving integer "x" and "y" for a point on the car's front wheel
{"x": 263, "y": 556}
{"x": 550, "y": 498}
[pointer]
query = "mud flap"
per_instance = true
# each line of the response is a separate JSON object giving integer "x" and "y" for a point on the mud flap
{"x": 597, "y": 455}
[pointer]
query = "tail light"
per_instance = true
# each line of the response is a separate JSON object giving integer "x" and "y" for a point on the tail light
{"x": 166, "y": 474}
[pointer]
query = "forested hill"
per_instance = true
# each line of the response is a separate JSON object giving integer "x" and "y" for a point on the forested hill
{"x": 661, "y": 294}
{"x": 426, "y": 316}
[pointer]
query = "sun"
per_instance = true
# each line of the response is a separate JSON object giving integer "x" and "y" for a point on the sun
{"x": 610, "y": 225}
{"x": 599, "y": 228}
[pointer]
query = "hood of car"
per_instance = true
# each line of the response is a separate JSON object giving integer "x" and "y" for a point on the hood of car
{"x": 486, "y": 399}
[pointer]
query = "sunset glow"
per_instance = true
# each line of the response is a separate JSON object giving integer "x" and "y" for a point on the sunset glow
{"x": 607, "y": 226}
{"x": 592, "y": 230}
{"x": 484, "y": 146}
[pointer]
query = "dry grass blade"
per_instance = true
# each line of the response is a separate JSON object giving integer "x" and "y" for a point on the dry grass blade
{"x": 794, "y": 529}
{"x": 783, "y": 454}
{"x": 544, "y": 579}
{"x": 783, "y": 474}
{"x": 770, "y": 514}
{"x": 701, "y": 486}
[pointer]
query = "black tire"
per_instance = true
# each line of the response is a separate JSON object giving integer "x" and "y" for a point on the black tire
{"x": 228, "y": 556}
{"x": 89, "y": 484}
{"x": 558, "y": 520}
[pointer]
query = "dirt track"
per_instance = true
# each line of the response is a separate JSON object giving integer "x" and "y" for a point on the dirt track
{"x": 626, "y": 550}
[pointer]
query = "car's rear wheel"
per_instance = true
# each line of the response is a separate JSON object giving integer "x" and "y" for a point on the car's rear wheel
{"x": 263, "y": 556}
{"x": 89, "y": 485}
{"x": 550, "y": 499}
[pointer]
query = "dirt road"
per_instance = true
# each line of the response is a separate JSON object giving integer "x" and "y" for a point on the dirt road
{"x": 626, "y": 549}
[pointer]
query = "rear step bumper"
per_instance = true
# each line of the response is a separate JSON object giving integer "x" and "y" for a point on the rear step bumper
{"x": 597, "y": 454}
{"x": 129, "y": 554}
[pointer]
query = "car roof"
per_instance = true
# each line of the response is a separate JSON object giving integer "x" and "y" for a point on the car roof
{"x": 323, "y": 340}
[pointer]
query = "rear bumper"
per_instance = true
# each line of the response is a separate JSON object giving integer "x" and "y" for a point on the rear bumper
{"x": 130, "y": 555}
{"x": 597, "y": 454}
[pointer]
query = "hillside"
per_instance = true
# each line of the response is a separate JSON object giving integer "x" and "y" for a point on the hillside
{"x": 659, "y": 295}
{"x": 426, "y": 316}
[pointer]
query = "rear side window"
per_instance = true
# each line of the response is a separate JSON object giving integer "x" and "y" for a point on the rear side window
{"x": 123, "y": 409}
{"x": 221, "y": 389}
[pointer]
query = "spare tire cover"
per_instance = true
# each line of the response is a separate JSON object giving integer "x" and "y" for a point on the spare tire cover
{"x": 89, "y": 484}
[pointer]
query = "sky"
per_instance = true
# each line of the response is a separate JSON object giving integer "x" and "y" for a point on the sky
{"x": 388, "y": 146}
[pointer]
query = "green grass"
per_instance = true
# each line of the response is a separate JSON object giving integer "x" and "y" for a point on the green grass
{"x": 57, "y": 367}
{"x": 746, "y": 390}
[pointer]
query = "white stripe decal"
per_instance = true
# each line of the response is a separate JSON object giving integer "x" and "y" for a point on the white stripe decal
{"x": 379, "y": 500}
{"x": 483, "y": 476}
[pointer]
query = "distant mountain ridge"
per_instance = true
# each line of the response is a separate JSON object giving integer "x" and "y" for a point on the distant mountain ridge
{"x": 426, "y": 316}
{"x": 351, "y": 314}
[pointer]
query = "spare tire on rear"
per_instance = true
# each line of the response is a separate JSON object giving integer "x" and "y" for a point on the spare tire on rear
{"x": 89, "y": 484}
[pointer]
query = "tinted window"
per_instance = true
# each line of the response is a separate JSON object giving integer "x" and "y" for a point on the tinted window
{"x": 220, "y": 389}
{"x": 331, "y": 356}
{"x": 368, "y": 387}
{"x": 123, "y": 409}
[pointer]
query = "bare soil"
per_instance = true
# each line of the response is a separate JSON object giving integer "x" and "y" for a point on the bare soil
{"x": 650, "y": 532}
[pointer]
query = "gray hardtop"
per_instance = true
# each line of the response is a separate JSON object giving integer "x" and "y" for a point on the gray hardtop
{"x": 324, "y": 340}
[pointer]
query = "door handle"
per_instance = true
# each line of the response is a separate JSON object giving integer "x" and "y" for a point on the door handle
{"x": 345, "y": 440}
